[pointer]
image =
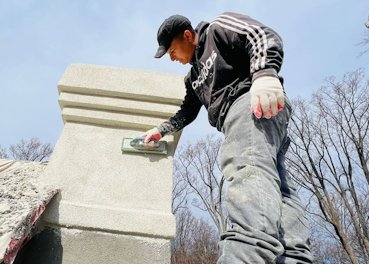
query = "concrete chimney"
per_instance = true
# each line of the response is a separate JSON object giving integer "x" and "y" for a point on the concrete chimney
{"x": 113, "y": 207}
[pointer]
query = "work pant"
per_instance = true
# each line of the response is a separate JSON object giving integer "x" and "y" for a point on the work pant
{"x": 268, "y": 223}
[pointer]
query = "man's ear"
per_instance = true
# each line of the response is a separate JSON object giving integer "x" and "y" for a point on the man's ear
{"x": 188, "y": 36}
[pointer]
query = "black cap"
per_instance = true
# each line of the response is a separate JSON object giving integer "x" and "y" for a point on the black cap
{"x": 171, "y": 27}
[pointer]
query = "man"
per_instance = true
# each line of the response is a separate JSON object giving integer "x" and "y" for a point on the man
{"x": 235, "y": 63}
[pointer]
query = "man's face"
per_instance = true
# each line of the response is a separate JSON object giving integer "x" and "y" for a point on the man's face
{"x": 182, "y": 48}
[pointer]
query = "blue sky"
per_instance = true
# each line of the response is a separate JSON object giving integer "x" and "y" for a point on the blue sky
{"x": 39, "y": 39}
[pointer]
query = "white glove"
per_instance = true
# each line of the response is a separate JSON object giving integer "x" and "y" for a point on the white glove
{"x": 152, "y": 134}
{"x": 267, "y": 97}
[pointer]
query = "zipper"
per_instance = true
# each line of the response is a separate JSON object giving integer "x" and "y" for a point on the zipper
{"x": 198, "y": 68}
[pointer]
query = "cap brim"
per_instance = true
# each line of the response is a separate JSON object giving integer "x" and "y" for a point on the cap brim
{"x": 160, "y": 52}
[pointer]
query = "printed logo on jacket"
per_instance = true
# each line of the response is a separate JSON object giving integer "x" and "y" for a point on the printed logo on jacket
{"x": 204, "y": 73}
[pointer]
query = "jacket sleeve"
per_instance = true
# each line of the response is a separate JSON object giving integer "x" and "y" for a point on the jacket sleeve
{"x": 263, "y": 45}
{"x": 185, "y": 115}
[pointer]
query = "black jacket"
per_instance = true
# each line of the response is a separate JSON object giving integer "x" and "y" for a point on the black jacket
{"x": 232, "y": 52}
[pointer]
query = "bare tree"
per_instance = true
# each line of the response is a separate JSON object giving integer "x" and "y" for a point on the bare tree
{"x": 32, "y": 150}
{"x": 325, "y": 249}
{"x": 196, "y": 240}
{"x": 365, "y": 41}
{"x": 329, "y": 156}
{"x": 3, "y": 153}
{"x": 198, "y": 170}
{"x": 180, "y": 191}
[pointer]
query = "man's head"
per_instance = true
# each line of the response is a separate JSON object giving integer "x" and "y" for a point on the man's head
{"x": 177, "y": 37}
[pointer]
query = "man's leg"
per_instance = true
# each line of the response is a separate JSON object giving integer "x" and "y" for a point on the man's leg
{"x": 254, "y": 200}
{"x": 294, "y": 230}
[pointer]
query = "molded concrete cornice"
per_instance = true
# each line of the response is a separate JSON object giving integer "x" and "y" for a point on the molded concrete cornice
{"x": 118, "y": 97}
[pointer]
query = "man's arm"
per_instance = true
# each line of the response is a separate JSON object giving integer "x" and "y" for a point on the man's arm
{"x": 185, "y": 115}
{"x": 263, "y": 45}
{"x": 265, "y": 49}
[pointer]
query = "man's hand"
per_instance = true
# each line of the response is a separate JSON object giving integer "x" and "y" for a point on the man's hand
{"x": 267, "y": 97}
{"x": 152, "y": 134}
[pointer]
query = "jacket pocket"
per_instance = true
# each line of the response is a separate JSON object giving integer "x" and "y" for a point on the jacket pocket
{"x": 220, "y": 103}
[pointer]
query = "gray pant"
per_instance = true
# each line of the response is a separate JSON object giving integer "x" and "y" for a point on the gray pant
{"x": 268, "y": 224}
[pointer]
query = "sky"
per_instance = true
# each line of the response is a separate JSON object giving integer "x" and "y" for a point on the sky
{"x": 39, "y": 39}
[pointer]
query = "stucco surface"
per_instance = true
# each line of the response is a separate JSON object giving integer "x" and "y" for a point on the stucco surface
{"x": 103, "y": 190}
